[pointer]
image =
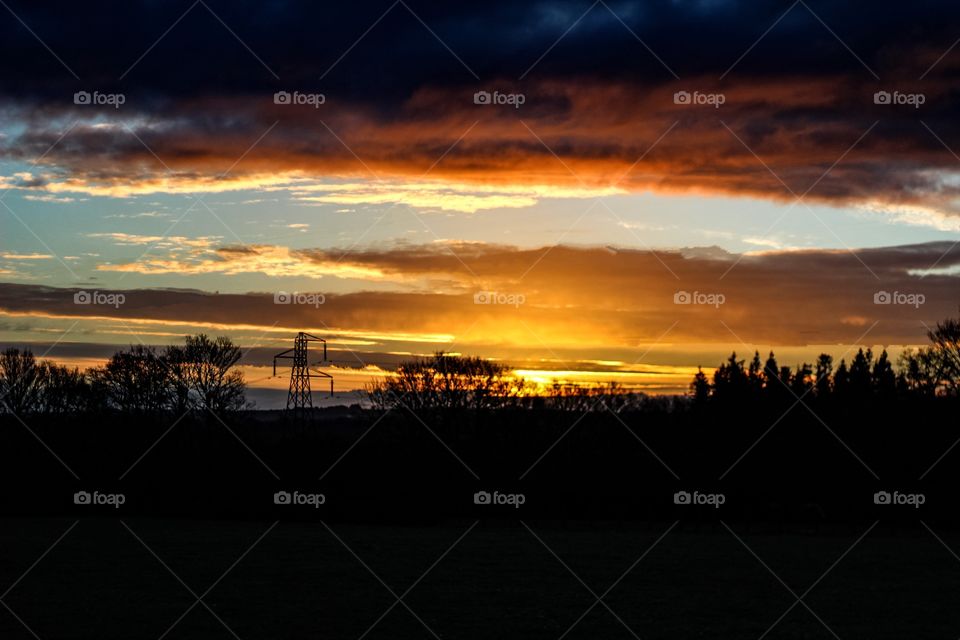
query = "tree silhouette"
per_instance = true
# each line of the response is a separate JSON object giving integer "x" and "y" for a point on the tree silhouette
{"x": 802, "y": 380}
{"x": 700, "y": 387}
{"x": 786, "y": 377}
{"x": 64, "y": 390}
{"x": 822, "y": 375}
{"x": 446, "y": 381}
{"x": 178, "y": 370}
{"x": 841, "y": 379}
{"x": 884, "y": 378}
{"x": 210, "y": 374}
{"x": 945, "y": 355}
{"x": 134, "y": 381}
{"x": 771, "y": 373}
{"x": 861, "y": 374}
{"x": 730, "y": 379}
{"x": 928, "y": 371}
{"x": 920, "y": 370}
{"x": 20, "y": 379}
{"x": 755, "y": 373}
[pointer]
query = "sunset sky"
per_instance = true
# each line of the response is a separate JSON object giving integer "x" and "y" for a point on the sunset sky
{"x": 778, "y": 164}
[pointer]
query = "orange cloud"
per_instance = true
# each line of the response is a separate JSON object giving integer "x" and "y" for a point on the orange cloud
{"x": 572, "y": 298}
{"x": 771, "y": 138}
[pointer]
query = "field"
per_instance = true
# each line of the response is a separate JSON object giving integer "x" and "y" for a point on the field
{"x": 302, "y": 580}
{"x": 203, "y": 547}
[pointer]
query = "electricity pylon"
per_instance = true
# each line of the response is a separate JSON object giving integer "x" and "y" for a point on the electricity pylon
{"x": 299, "y": 395}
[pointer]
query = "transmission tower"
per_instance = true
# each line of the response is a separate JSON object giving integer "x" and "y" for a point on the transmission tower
{"x": 299, "y": 395}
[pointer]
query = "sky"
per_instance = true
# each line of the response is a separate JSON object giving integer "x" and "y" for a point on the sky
{"x": 591, "y": 192}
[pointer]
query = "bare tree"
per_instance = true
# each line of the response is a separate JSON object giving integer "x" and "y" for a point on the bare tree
{"x": 209, "y": 368}
{"x": 20, "y": 380}
{"x": 934, "y": 370}
{"x": 64, "y": 390}
{"x": 920, "y": 371}
{"x": 945, "y": 354}
{"x": 448, "y": 382}
{"x": 179, "y": 370}
{"x": 136, "y": 380}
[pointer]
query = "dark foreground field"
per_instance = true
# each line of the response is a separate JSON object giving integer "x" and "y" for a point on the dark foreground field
{"x": 460, "y": 580}
{"x": 190, "y": 539}
{"x": 768, "y": 464}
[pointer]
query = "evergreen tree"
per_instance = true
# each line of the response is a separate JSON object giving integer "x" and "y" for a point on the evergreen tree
{"x": 786, "y": 376}
{"x": 755, "y": 373}
{"x": 841, "y": 379}
{"x": 700, "y": 387}
{"x": 884, "y": 379}
{"x": 801, "y": 383}
{"x": 730, "y": 379}
{"x": 861, "y": 374}
{"x": 771, "y": 371}
{"x": 822, "y": 376}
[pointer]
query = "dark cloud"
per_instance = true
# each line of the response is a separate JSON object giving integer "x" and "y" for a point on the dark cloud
{"x": 300, "y": 41}
{"x": 202, "y": 94}
{"x": 237, "y": 250}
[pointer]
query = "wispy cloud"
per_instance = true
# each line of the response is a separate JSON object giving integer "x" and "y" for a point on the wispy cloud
{"x": 169, "y": 242}
{"x": 26, "y": 256}
{"x": 51, "y": 198}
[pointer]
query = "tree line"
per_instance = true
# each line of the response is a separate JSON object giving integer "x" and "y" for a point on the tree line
{"x": 930, "y": 371}
{"x": 445, "y": 381}
{"x": 201, "y": 374}
{"x": 198, "y": 375}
